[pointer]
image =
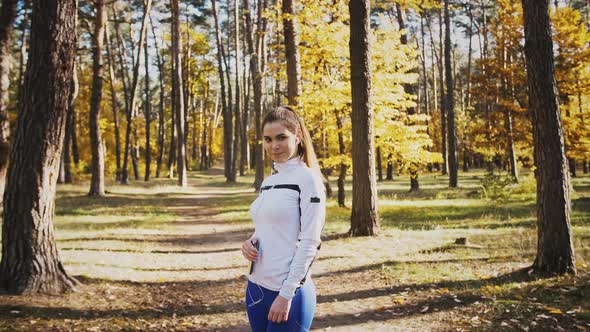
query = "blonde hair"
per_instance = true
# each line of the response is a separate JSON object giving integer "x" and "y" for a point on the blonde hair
{"x": 294, "y": 123}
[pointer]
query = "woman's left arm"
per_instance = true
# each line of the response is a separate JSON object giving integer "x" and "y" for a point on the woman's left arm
{"x": 313, "y": 215}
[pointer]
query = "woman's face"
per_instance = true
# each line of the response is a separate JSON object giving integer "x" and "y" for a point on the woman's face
{"x": 279, "y": 143}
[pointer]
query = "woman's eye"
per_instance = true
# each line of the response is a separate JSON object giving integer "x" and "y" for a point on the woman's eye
{"x": 267, "y": 140}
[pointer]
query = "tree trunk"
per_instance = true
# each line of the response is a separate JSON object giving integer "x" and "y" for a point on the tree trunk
{"x": 148, "y": 114}
{"x": 414, "y": 183}
{"x": 555, "y": 251}
{"x": 161, "y": 114}
{"x": 70, "y": 134}
{"x": 135, "y": 148}
{"x": 364, "y": 217}
{"x": 255, "y": 61}
{"x": 173, "y": 149}
{"x": 389, "y": 168}
{"x": 204, "y": 163}
{"x": 178, "y": 97}
{"x": 247, "y": 87}
{"x": 466, "y": 138}
{"x": 133, "y": 93}
{"x": 450, "y": 104}
{"x": 408, "y": 88}
{"x": 30, "y": 260}
{"x": 227, "y": 116}
{"x": 97, "y": 165}
{"x": 7, "y": 16}
{"x": 114, "y": 105}
{"x": 443, "y": 98}
{"x": 343, "y": 167}
{"x": 238, "y": 102}
{"x": 195, "y": 135}
{"x": 186, "y": 87}
{"x": 292, "y": 53}
{"x": 379, "y": 165}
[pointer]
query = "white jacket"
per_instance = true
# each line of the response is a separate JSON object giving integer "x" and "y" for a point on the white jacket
{"x": 289, "y": 214}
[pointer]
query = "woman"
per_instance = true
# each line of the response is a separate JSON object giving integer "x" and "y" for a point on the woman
{"x": 289, "y": 215}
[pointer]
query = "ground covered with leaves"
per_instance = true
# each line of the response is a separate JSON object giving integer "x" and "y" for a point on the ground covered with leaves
{"x": 152, "y": 257}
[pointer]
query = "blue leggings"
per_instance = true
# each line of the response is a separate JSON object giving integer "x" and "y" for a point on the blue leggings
{"x": 259, "y": 300}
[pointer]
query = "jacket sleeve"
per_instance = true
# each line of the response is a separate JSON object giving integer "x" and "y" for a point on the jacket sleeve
{"x": 312, "y": 219}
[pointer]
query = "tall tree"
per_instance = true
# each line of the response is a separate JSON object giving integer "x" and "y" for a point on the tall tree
{"x": 443, "y": 113}
{"x": 161, "y": 114}
{"x": 364, "y": 217}
{"x": 70, "y": 135}
{"x": 114, "y": 104}
{"x": 555, "y": 251}
{"x": 450, "y": 104}
{"x": 256, "y": 75}
{"x": 178, "y": 99}
{"x": 30, "y": 259}
{"x": 148, "y": 112}
{"x": 226, "y": 109}
{"x": 7, "y": 16}
{"x": 292, "y": 53}
{"x": 97, "y": 165}
{"x": 411, "y": 90}
{"x": 238, "y": 103}
{"x": 133, "y": 91}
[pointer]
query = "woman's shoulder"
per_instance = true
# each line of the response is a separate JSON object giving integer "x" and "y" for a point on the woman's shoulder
{"x": 309, "y": 176}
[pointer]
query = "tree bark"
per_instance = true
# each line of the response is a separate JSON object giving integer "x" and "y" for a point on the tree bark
{"x": 414, "y": 183}
{"x": 389, "y": 168}
{"x": 7, "y": 17}
{"x": 30, "y": 260}
{"x": 292, "y": 53}
{"x": 255, "y": 61}
{"x": 364, "y": 217}
{"x": 161, "y": 114}
{"x": 379, "y": 165}
{"x": 247, "y": 87}
{"x": 238, "y": 103}
{"x": 555, "y": 251}
{"x": 70, "y": 129}
{"x": 453, "y": 164}
{"x": 227, "y": 116}
{"x": 178, "y": 97}
{"x": 343, "y": 167}
{"x": 133, "y": 92}
{"x": 443, "y": 113}
{"x": 114, "y": 105}
{"x": 97, "y": 165}
{"x": 148, "y": 114}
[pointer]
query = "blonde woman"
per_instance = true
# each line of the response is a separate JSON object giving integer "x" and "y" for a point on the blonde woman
{"x": 288, "y": 215}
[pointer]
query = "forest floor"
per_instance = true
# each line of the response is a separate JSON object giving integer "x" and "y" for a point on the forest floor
{"x": 152, "y": 257}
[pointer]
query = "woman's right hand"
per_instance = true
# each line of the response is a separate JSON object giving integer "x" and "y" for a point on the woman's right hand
{"x": 248, "y": 250}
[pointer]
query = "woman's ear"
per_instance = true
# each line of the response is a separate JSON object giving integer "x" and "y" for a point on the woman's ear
{"x": 298, "y": 136}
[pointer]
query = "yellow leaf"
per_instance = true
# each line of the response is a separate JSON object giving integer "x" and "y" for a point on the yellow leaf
{"x": 552, "y": 310}
{"x": 399, "y": 301}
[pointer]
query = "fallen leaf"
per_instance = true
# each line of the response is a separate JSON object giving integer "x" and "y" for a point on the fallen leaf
{"x": 552, "y": 310}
